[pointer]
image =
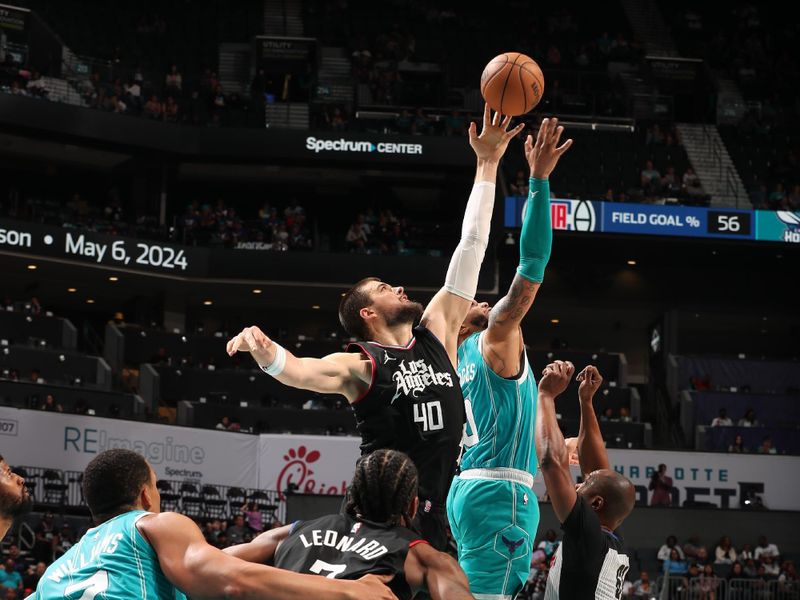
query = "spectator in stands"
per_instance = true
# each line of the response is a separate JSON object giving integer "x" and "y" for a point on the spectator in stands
{"x": 15, "y": 556}
{"x": 692, "y": 547}
{"x": 746, "y": 553}
{"x": 725, "y": 553}
{"x": 701, "y": 557}
{"x": 420, "y": 124}
{"x": 549, "y": 544}
{"x": 10, "y": 578}
{"x": 174, "y": 81}
{"x": 537, "y": 581}
{"x": 608, "y": 414}
{"x": 651, "y": 180}
{"x": 36, "y": 85}
{"x": 357, "y": 237}
{"x": 455, "y": 124}
{"x": 50, "y": 404}
{"x": 691, "y": 183}
{"x": 764, "y": 548}
{"x": 675, "y": 565}
{"x": 738, "y": 447}
{"x": 237, "y": 531}
{"x": 625, "y": 414}
{"x": 519, "y": 187}
{"x": 253, "y": 517}
{"x": 171, "y": 110}
{"x": 670, "y": 184}
{"x": 153, "y": 109}
{"x": 661, "y": 486}
{"x": 770, "y": 565}
{"x": 33, "y": 308}
{"x": 36, "y": 376}
{"x": 17, "y": 90}
{"x": 707, "y": 584}
{"x": 224, "y": 424}
{"x": 766, "y": 446}
{"x": 749, "y": 419}
{"x": 668, "y": 546}
{"x": 737, "y": 587}
{"x": 788, "y": 582}
{"x": 723, "y": 420}
{"x": 33, "y": 574}
{"x": 777, "y": 198}
{"x": 642, "y": 587}
{"x": 47, "y": 525}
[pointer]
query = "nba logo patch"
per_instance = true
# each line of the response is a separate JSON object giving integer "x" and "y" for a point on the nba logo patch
{"x": 427, "y": 506}
{"x": 525, "y": 499}
{"x": 355, "y": 528}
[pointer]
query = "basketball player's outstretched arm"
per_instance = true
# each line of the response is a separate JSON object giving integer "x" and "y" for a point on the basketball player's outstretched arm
{"x": 446, "y": 311}
{"x": 262, "y": 548}
{"x": 343, "y": 373}
{"x": 504, "y": 344}
{"x": 592, "y": 453}
{"x": 437, "y": 572}
{"x": 202, "y": 571}
{"x": 550, "y": 446}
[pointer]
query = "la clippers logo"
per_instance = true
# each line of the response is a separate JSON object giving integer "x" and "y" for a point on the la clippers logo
{"x": 572, "y": 215}
{"x": 416, "y": 376}
{"x": 298, "y": 471}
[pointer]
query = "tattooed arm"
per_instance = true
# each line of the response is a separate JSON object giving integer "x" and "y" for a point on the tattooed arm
{"x": 503, "y": 345}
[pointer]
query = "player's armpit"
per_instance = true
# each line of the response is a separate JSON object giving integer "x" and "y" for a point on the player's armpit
{"x": 263, "y": 547}
{"x": 443, "y": 318}
{"x": 439, "y": 573}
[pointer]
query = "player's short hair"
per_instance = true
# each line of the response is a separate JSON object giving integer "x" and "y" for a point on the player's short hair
{"x": 112, "y": 481}
{"x": 350, "y": 307}
{"x": 614, "y": 488}
{"x": 383, "y": 488}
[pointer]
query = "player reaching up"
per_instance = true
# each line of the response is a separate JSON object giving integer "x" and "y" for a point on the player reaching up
{"x": 371, "y": 536}
{"x": 401, "y": 379}
{"x": 499, "y": 460}
{"x": 590, "y": 563}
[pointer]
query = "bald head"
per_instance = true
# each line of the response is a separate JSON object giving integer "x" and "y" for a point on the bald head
{"x": 610, "y": 494}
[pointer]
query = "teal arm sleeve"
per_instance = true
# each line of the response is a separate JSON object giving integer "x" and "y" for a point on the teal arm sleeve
{"x": 536, "y": 238}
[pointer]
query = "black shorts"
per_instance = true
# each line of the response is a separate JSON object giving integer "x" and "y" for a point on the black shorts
{"x": 432, "y": 525}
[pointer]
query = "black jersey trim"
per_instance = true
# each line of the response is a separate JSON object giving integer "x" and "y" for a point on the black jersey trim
{"x": 372, "y": 374}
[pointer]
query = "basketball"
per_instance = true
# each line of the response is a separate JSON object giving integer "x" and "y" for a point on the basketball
{"x": 512, "y": 83}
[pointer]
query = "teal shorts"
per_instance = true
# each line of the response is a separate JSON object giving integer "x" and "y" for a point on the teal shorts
{"x": 494, "y": 524}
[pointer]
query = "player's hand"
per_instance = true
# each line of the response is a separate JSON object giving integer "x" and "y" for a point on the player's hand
{"x": 591, "y": 380}
{"x": 374, "y": 586}
{"x": 493, "y": 140}
{"x": 255, "y": 341}
{"x": 544, "y": 154}
{"x": 556, "y": 377}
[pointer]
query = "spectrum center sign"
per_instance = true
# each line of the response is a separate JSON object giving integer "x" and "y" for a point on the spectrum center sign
{"x": 318, "y": 145}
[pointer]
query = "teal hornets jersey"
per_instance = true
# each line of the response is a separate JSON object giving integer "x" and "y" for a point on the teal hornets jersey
{"x": 501, "y": 413}
{"x": 112, "y": 561}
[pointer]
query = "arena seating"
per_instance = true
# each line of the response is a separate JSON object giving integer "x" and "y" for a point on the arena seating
{"x": 19, "y": 327}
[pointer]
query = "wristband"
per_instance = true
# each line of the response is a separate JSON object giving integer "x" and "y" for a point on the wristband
{"x": 278, "y": 363}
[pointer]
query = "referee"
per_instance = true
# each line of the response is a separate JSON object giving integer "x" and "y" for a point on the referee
{"x": 591, "y": 562}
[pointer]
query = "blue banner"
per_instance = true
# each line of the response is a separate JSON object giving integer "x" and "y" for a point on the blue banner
{"x": 688, "y": 221}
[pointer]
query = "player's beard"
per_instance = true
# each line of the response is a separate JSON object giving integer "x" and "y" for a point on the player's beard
{"x": 14, "y": 507}
{"x": 480, "y": 321}
{"x": 409, "y": 312}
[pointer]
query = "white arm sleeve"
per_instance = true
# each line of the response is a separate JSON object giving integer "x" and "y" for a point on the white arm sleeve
{"x": 462, "y": 274}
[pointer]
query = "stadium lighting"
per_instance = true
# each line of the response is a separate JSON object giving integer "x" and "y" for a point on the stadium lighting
{"x": 89, "y": 301}
{"x": 113, "y": 278}
{"x": 555, "y": 321}
{"x": 632, "y": 263}
{"x": 32, "y": 267}
{"x": 72, "y": 290}
{"x": 207, "y": 302}
{"x": 256, "y": 291}
{"x": 315, "y": 306}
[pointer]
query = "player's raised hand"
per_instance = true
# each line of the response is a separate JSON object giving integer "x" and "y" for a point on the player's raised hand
{"x": 590, "y": 380}
{"x": 493, "y": 140}
{"x": 543, "y": 155}
{"x": 556, "y": 377}
{"x": 253, "y": 340}
{"x": 374, "y": 586}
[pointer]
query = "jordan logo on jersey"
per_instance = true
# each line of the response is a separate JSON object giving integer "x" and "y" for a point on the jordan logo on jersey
{"x": 414, "y": 377}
